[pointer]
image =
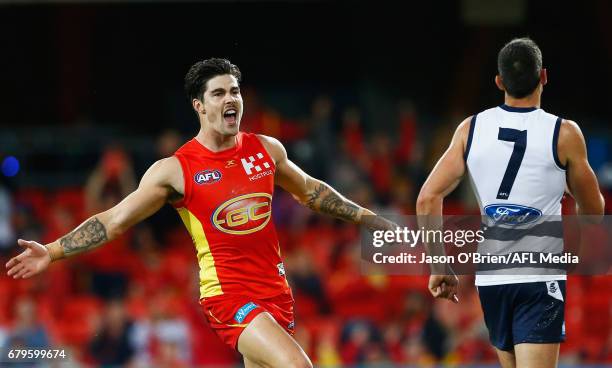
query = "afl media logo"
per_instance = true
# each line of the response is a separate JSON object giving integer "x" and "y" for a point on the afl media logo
{"x": 244, "y": 214}
{"x": 207, "y": 177}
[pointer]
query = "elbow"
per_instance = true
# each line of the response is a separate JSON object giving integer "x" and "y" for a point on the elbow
{"x": 594, "y": 213}
{"x": 113, "y": 225}
{"x": 426, "y": 202}
{"x": 599, "y": 212}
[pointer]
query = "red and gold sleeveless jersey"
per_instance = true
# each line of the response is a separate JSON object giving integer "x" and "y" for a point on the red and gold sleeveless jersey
{"x": 227, "y": 209}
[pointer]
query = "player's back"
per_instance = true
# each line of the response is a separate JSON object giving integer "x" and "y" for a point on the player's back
{"x": 511, "y": 157}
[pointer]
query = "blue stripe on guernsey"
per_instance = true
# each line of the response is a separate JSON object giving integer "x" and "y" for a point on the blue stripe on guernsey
{"x": 517, "y": 109}
{"x": 555, "y": 141}
{"x": 244, "y": 311}
{"x": 470, "y": 135}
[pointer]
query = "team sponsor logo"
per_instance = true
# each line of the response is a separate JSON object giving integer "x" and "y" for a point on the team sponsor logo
{"x": 512, "y": 214}
{"x": 207, "y": 177}
{"x": 260, "y": 175}
{"x": 281, "y": 269}
{"x": 244, "y": 311}
{"x": 244, "y": 214}
{"x": 254, "y": 164}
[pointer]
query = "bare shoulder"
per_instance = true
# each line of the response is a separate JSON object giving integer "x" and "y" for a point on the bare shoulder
{"x": 464, "y": 127}
{"x": 274, "y": 147}
{"x": 462, "y": 132}
{"x": 166, "y": 166}
{"x": 570, "y": 137}
{"x": 570, "y": 144}
{"x": 165, "y": 172}
{"x": 569, "y": 130}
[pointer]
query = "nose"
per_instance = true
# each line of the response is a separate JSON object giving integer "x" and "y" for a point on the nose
{"x": 230, "y": 99}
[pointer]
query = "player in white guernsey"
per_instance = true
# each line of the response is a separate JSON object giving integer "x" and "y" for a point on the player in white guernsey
{"x": 520, "y": 161}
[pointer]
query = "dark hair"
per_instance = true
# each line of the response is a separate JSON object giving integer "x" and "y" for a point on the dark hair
{"x": 519, "y": 64}
{"x": 201, "y": 72}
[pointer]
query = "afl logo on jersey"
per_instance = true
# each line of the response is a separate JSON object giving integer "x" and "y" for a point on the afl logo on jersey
{"x": 512, "y": 214}
{"x": 207, "y": 177}
{"x": 244, "y": 214}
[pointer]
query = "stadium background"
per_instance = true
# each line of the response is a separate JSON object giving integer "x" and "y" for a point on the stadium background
{"x": 365, "y": 96}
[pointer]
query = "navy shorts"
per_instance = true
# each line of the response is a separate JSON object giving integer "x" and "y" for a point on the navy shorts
{"x": 531, "y": 312}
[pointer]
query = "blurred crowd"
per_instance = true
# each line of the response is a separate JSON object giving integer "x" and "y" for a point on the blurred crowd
{"x": 133, "y": 302}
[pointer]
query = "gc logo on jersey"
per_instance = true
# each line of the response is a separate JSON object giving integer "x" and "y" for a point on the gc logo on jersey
{"x": 512, "y": 214}
{"x": 207, "y": 177}
{"x": 244, "y": 214}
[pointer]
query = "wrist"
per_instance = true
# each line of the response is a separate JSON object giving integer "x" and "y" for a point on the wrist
{"x": 365, "y": 216}
{"x": 56, "y": 251}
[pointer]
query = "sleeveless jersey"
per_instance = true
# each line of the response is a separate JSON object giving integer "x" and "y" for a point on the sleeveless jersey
{"x": 227, "y": 209}
{"x": 518, "y": 180}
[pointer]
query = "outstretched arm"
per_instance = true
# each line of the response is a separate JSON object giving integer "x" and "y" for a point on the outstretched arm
{"x": 442, "y": 180}
{"x": 161, "y": 183}
{"x": 316, "y": 194}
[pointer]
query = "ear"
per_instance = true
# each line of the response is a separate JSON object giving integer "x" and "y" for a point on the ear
{"x": 543, "y": 76}
{"x": 499, "y": 83}
{"x": 198, "y": 106}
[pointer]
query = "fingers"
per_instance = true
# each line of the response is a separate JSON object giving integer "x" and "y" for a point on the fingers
{"x": 28, "y": 244}
{"x": 452, "y": 293}
{"x": 13, "y": 261}
{"x": 445, "y": 291}
{"x": 19, "y": 271}
{"x": 28, "y": 274}
{"x": 444, "y": 287}
{"x": 16, "y": 260}
{"x": 22, "y": 272}
{"x": 435, "y": 291}
{"x": 13, "y": 270}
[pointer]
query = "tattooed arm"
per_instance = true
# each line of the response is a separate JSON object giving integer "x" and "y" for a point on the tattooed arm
{"x": 163, "y": 182}
{"x": 318, "y": 195}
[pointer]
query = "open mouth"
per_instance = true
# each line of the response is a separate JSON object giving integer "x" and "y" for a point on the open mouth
{"x": 230, "y": 116}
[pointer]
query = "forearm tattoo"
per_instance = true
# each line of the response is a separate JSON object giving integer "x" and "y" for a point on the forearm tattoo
{"x": 323, "y": 199}
{"x": 89, "y": 235}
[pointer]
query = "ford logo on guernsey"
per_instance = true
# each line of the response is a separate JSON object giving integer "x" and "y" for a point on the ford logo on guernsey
{"x": 512, "y": 214}
{"x": 207, "y": 176}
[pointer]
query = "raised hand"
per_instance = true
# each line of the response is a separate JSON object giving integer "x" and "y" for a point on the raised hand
{"x": 33, "y": 260}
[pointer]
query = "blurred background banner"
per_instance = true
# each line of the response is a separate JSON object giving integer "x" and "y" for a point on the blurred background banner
{"x": 365, "y": 95}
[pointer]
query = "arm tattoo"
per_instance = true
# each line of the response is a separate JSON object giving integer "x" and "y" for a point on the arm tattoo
{"x": 323, "y": 199}
{"x": 89, "y": 235}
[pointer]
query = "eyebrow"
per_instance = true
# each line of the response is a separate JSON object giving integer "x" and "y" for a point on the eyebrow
{"x": 221, "y": 89}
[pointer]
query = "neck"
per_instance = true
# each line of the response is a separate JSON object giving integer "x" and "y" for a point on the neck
{"x": 533, "y": 100}
{"x": 215, "y": 141}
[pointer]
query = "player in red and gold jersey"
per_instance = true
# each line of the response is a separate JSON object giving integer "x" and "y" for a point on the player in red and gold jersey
{"x": 221, "y": 183}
